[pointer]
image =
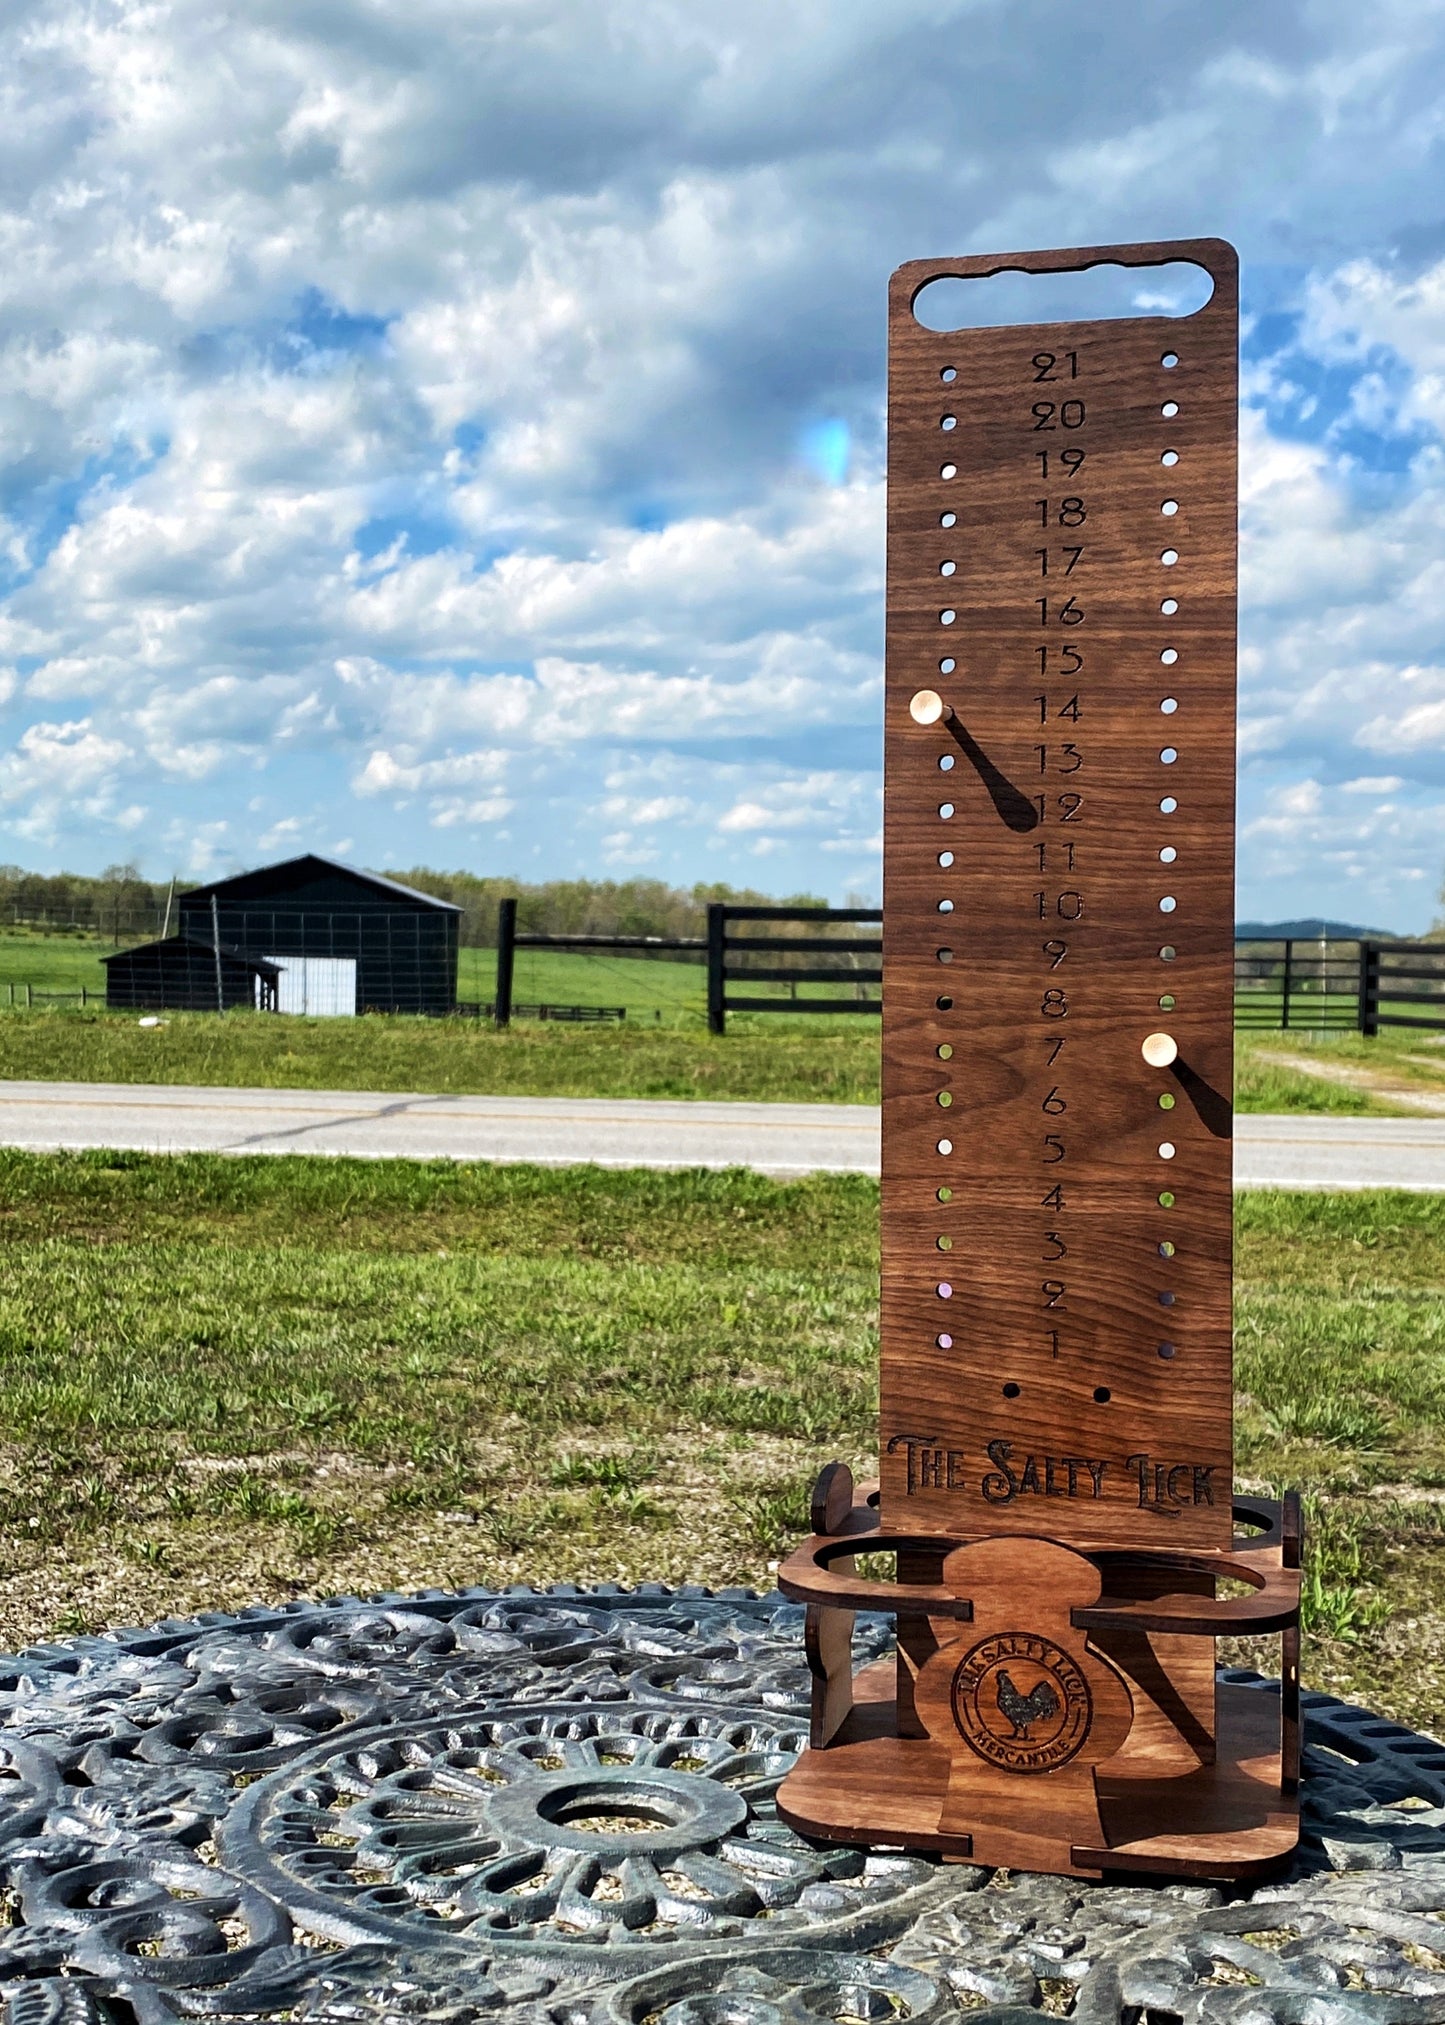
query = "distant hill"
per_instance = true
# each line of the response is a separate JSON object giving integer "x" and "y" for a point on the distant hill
{"x": 1306, "y": 931}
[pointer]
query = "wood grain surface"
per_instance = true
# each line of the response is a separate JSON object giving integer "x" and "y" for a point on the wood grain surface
{"x": 1074, "y": 1380}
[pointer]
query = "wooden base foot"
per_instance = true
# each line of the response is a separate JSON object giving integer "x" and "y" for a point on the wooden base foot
{"x": 1229, "y": 1819}
{"x": 1049, "y": 1709}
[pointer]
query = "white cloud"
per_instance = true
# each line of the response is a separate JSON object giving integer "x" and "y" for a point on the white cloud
{"x": 400, "y": 420}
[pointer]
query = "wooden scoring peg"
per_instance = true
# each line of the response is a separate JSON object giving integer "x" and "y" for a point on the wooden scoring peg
{"x": 1023, "y": 1703}
{"x": 926, "y": 706}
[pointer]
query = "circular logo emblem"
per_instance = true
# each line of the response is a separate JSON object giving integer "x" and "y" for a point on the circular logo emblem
{"x": 1021, "y": 1702}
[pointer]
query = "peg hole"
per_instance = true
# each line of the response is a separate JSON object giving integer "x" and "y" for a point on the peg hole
{"x": 944, "y": 1004}
{"x": 944, "y": 1291}
{"x": 1168, "y": 756}
{"x": 1169, "y": 656}
{"x": 945, "y": 1099}
{"x": 944, "y": 955}
{"x": 1012, "y": 1391}
{"x": 1170, "y": 458}
{"x": 1166, "y": 1198}
{"x": 1166, "y": 1351}
{"x": 949, "y": 471}
{"x": 945, "y": 810}
{"x": 1166, "y": 1101}
{"x": 947, "y": 569}
{"x": 1166, "y": 1150}
{"x": 1166, "y": 1001}
{"x": 943, "y": 1340}
{"x": 945, "y": 1147}
{"x": 947, "y": 665}
{"x": 945, "y": 1051}
{"x": 1169, "y": 557}
{"x": 948, "y": 421}
{"x": 1168, "y": 904}
{"x": 1168, "y": 953}
{"x": 1166, "y": 1300}
{"x": 947, "y": 618}
{"x": 1168, "y": 705}
{"x": 945, "y": 858}
{"x": 1102, "y": 1395}
{"x": 1168, "y": 855}
{"x": 944, "y": 1194}
{"x": 1169, "y": 607}
{"x": 945, "y": 762}
{"x": 949, "y": 375}
{"x": 1169, "y": 361}
{"x": 1166, "y": 1249}
{"x": 1169, "y": 507}
{"x": 945, "y": 906}
{"x": 1166, "y": 807}
{"x": 948, "y": 520}
{"x": 1169, "y": 410}
{"x": 945, "y": 1244}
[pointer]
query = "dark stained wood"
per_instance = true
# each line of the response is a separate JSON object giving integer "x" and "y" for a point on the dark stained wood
{"x": 828, "y": 1634}
{"x": 1163, "y": 1780}
{"x": 1055, "y": 1427}
{"x": 832, "y": 1498}
{"x": 958, "y": 1456}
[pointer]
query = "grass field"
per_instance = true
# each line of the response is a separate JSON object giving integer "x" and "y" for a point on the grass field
{"x": 231, "y": 1379}
{"x": 661, "y": 993}
{"x": 762, "y": 1057}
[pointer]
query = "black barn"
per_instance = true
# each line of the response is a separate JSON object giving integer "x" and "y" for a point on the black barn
{"x": 183, "y": 974}
{"x": 365, "y": 944}
{"x": 307, "y": 936}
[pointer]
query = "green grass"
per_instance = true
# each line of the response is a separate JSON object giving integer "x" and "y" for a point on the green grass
{"x": 661, "y": 993}
{"x": 234, "y": 1378}
{"x": 762, "y": 1057}
{"x": 819, "y": 1059}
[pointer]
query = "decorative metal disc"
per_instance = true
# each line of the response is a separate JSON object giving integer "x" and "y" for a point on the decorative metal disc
{"x": 557, "y": 1808}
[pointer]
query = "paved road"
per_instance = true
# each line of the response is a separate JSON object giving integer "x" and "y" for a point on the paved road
{"x": 778, "y": 1139}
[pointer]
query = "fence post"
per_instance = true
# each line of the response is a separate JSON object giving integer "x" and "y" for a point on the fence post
{"x": 216, "y": 950}
{"x": 717, "y": 1016}
{"x": 1369, "y": 1013}
{"x": 83, "y": 999}
{"x": 29, "y": 997}
{"x": 1288, "y": 981}
{"x": 506, "y": 962}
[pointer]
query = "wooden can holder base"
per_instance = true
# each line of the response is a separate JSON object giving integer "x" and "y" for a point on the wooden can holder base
{"x": 1048, "y": 1708}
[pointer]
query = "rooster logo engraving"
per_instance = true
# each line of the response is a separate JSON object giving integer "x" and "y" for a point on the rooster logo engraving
{"x": 1025, "y": 1710}
{"x": 1036, "y": 1727}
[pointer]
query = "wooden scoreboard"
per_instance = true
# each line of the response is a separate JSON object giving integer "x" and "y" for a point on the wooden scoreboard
{"x": 1058, "y": 940}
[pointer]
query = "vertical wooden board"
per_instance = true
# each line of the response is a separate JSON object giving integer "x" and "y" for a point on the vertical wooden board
{"x": 1056, "y": 1350}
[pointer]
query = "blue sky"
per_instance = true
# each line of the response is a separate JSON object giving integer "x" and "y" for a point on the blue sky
{"x": 451, "y": 432}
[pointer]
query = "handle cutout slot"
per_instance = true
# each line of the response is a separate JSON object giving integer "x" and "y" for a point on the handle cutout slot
{"x": 1105, "y": 292}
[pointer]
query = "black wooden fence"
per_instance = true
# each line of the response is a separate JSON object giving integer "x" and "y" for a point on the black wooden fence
{"x": 1317, "y": 985}
{"x": 509, "y": 942}
{"x": 1280, "y": 983}
{"x": 1284, "y": 982}
{"x": 1402, "y": 984}
{"x": 744, "y": 959}
{"x": 813, "y": 956}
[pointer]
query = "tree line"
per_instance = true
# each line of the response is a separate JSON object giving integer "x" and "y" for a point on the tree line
{"x": 125, "y": 907}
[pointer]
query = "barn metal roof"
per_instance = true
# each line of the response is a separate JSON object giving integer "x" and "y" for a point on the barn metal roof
{"x": 218, "y": 886}
{"x": 260, "y": 963}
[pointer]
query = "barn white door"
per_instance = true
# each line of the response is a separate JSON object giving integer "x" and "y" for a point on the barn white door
{"x": 322, "y": 987}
